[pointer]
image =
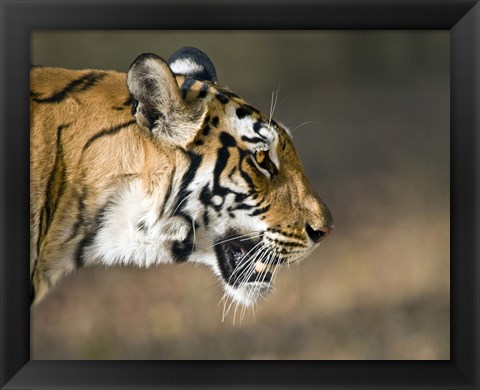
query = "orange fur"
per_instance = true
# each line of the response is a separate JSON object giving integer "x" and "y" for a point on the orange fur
{"x": 85, "y": 145}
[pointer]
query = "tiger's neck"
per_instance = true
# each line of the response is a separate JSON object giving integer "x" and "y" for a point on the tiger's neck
{"x": 147, "y": 220}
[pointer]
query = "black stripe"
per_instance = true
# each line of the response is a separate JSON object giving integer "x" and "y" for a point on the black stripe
{"x": 34, "y": 95}
{"x": 206, "y": 130}
{"x": 286, "y": 234}
{"x": 78, "y": 85}
{"x": 253, "y": 140}
{"x": 287, "y": 243}
{"x": 260, "y": 202}
{"x": 257, "y": 126}
{"x": 167, "y": 194}
{"x": 106, "y": 132}
{"x": 230, "y": 175}
{"x": 227, "y": 140}
{"x": 186, "y": 86}
{"x": 231, "y": 94}
{"x": 222, "y": 98}
{"x": 41, "y": 230}
{"x": 90, "y": 237}
{"x": 245, "y": 110}
{"x": 206, "y": 196}
{"x": 247, "y": 178}
{"x": 271, "y": 167}
{"x": 244, "y": 206}
{"x": 206, "y": 218}
{"x": 203, "y": 91}
{"x": 260, "y": 211}
{"x": 181, "y": 250}
{"x": 56, "y": 182}
{"x": 86, "y": 241}
{"x": 222, "y": 158}
{"x": 81, "y": 214}
{"x": 252, "y": 165}
{"x": 195, "y": 161}
{"x": 223, "y": 155}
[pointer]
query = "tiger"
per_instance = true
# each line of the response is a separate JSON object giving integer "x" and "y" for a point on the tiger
{"x": 161, "y": 165}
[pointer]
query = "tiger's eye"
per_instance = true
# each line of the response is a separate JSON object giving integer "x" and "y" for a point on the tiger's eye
{"x": 260, "y": 156}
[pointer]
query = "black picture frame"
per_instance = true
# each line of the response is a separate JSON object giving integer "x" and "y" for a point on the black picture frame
{"x": 19, "y": 18}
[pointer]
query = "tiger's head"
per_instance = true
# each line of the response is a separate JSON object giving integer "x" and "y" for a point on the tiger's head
{"x": 242, "y": 196}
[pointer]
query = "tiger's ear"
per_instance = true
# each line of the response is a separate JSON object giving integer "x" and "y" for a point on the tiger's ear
{"x": 158, "y": 103}
{"x": 191, "y": 62}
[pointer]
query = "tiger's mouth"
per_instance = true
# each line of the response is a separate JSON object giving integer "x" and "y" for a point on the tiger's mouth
{"x": 237, "y": 259}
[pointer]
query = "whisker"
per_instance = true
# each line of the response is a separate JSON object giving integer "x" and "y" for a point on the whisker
{"x": 277, "y": 92}
{"x": 264, "y": 252}
{"x": 242, "y": 263}
{"x": 256, "y": 288}
{"x": 253, "y": 313}
{"x": 247, "y": 273}
{"x": 245, "y": 263}
{"x": 225, "y": 313}
{"x": 231, "y": 303}
{"x": 235, "y": 312}
{"x": 305, "y": 123}
{"x": 249, "y": 294}
{"x": 229, "y": 307}
{"x": 235, "y": 238}
{"x": 222, "y": 299}
{"x": 276, "y": 271}
{"x": 273, "y": 104}
{"x": 194, "y": 246}
{"x": 184, "y": 199}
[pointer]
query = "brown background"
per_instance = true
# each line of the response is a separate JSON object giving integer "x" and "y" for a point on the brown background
{"x": 376, "y": 150}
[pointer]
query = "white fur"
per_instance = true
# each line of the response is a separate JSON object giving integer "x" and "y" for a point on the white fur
{"x": 186, "y": 67}
{"x": 247, "y": 294}
{"x": 120, "y": 241}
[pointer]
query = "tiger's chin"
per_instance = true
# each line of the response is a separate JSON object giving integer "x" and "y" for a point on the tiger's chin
{"x": 248, "y": 293}
{"x": 245, "y": 269}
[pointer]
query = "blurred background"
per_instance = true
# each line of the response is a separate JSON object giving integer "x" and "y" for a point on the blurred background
{"x": 369, "y": 112}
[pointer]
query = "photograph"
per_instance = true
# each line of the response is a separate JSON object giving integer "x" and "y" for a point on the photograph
{"x": 240, "y": 195}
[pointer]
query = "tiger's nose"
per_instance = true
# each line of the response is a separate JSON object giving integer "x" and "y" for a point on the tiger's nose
{"x": 317, "y": 235}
